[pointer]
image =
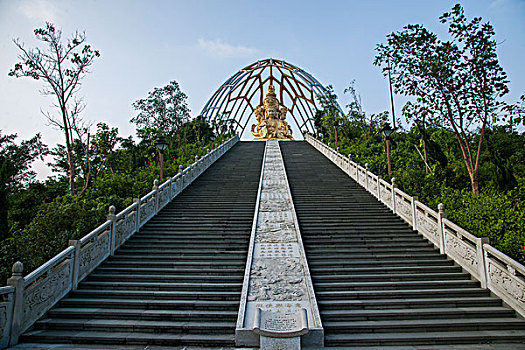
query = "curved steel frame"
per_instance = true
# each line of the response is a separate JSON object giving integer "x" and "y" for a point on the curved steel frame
{"x": 246, "y": 89}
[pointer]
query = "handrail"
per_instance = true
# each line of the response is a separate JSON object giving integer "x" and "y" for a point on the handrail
{"x": 496, "y": 271}
{"x": 26, "y": 299}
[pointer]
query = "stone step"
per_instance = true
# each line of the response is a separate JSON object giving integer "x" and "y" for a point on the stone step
{"x": 116, "y": 338}
{"x": 407, "y": 303}
{"x": 423, "y": 313}
{"x": 167, "y": 263}
{"x": 320, "y": 271}
{"x": 396, "y": 293}
{"x": 392, "y": 277}
{"x": 155, "y": 295}
{"x": 142, "y": 314}
{"x": 193, "y": 286}
{"x": 150, "y": 304}
{"x": 396, "y": 285}
{"x": 425, "y": 325}
{"x": 426, "y": 338}
{"x": 226, "y": 270}
{"x": 227, "y": 252}
{"x": 146, "y": 326}
{"x": 375, "y": 250}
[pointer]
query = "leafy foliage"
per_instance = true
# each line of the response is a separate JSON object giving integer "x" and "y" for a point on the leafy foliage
{"x": 459, "y": 82}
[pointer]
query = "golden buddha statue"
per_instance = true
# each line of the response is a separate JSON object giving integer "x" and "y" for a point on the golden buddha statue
{"x": 271, "y": 121}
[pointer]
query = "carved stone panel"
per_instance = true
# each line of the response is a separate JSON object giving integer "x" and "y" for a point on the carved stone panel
{"x": 93, "y": 253}
{"x": 463, "y": 253}
{"x": 124, "y": 227}
{"x": 503, "y": 280}
{"x": 428, "y": 227}
{"x": 40, "y": 296}
{"x": 281, "y": 280}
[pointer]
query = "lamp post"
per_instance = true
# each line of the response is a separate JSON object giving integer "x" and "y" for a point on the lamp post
{"x": 387, "y": 131}
{"x": 161, "y": 145}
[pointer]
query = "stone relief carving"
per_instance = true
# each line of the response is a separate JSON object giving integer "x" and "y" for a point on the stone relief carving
{"x": 147, "y": 209}
{"x": 93, "y": 253}
{"x": 39, "y": 296}
{"x": 278, "y": 205}
{"x": 427, "y": 225}
{"x": 504, "y": 280}
{"x": 386, "y": 196}
{"x": 268, "y": 232}
{"x": 461, "y": 250}
{"x": 282, "y": 281}
{"x": 124, "y": 227}
{"x": 404, "y": 207}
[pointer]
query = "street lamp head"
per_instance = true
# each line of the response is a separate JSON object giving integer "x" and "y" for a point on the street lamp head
{"x": 162, "y": 144}
{"x": 387, "y": 130}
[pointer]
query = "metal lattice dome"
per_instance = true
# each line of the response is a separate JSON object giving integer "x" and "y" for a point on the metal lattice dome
{"x": 235, "y": 100}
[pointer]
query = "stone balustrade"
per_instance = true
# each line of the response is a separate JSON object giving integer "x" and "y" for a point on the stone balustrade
{"x": 496, "y": 271}
{"x": 26, "y": 299}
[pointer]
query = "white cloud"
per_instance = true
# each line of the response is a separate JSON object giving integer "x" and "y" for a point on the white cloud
{"x": 220, "y": 48}
{"x": 497, "y": 3}
{"x": 39, "y": 10}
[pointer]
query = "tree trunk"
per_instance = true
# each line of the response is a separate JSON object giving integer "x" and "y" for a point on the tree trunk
{"x": 425, "y": 156}
{"x": 71, "y": 170}
{"x": 474, "y": 183}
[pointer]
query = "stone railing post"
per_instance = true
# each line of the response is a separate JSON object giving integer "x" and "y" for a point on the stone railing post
{"x": 169, "y": 190}
{"x": 156, "y": 195}
{"x": 197, "y": 166}
{"x": 137, "y": 216}
{"x": 441, "y": 229}
{"x": 76, "y": 262}
{"x": 394, "y": 186}
{"x": 17, "y": 281}
{"x": 379, "y": 188}
{"x": 113, "y": 228}
{"x": 366, "y": 176}
{"x": 414, "y": 213}
{"x": 181, "y": 178}
{"x": 480, "y": 254}
{"x": 349, "y": 164}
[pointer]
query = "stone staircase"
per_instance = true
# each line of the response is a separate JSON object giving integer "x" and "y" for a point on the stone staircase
{"x": 377, "y": 282}
{"x": 176, "y": 282}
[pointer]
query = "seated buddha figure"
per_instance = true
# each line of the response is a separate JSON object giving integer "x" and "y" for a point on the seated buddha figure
{"x": 271, "y": 123}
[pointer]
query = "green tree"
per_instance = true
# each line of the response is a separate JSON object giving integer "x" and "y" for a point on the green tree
{"x": 15, "y": 162}
{"x": 460, "y": 80}
{"x": 61, "y": 66}
{"x": 164, "y": 109}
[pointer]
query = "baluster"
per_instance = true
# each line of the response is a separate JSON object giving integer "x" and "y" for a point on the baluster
{"x": 112, "y": 229}
{"x": 414, "y": 213}
{"x": 76, "y": 262}
{"x": 366, "y": 176}
{"x": 441, "y": 229}
{"x": 156, "y": 195}
{"x": 137, "y": 213}
{"x": 394, "y": 186}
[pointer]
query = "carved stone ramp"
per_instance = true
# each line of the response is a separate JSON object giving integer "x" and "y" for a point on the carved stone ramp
{"x": 278, "y": 309}
{"x": 379, "y": 284}
{"x": 178, "y": 281}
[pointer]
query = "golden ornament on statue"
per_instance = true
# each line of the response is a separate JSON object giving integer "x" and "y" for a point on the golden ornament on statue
{"x": 271, "y": 121}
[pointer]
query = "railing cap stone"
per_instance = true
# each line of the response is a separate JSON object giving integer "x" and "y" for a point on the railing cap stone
{"x": 18, "y": 269}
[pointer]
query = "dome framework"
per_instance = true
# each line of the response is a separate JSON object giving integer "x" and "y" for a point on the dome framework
{"x": 236, "y": 99}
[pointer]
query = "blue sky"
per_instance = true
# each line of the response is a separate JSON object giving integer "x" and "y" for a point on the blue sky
{"x": 145, "y": 44}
